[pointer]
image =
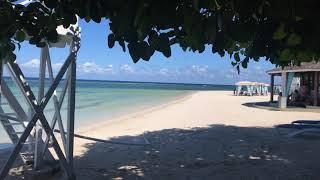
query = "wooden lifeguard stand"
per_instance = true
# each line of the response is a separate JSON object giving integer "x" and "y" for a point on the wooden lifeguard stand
{"x": 25, "y": 128}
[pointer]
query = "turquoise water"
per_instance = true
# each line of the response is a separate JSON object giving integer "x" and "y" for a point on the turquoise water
{"x": 103, "y": 100}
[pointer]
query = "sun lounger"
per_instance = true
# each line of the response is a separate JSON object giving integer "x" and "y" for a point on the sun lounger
{"x": 306, "y": 122}
{"x": 298, "y": 126}
{"x": 302, "y": 126}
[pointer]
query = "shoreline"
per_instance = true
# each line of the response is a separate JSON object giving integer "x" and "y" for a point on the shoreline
{"x": 86, "y": 126}
{"x": 112, "y": 120}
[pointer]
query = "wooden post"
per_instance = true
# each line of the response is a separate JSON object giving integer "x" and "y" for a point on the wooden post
{"x": 283, "y": 99}
{"x": 71, "y": 107}
{"x": 272, "y": 88}
{"x": 38, "y": 128}
{"x": 315, "y": 88}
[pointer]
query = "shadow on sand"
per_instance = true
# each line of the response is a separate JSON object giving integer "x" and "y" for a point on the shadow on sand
{"x": 216, "y": 152}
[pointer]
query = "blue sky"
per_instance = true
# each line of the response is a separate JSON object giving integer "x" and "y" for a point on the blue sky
{"x": 97, "y": 61}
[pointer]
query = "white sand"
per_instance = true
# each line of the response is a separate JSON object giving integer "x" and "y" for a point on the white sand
{"x": 200, "y": 109}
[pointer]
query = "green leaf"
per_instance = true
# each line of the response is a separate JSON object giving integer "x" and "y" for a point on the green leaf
{"x": 12, "y": 47}
{"x": 244, "y": 64}
{"x": 133, "y": 51}
{"x": 237, "y": 57}
{"x": 293, "y": 39}
{"x": 304, "y": 56}
{"x": 87, "y": 18}
{"x": 51, "y": 3}
{"x": 41, "y": 44}
{"x": 221, "y": 53}
{"x": 201, "y": 49}
{"x": 164, "y": 45}
{"x": 285, "y": 55}
{"x": 111, "y": 40}
{"x": 280, "y": 33}
{"x": 122, "y": 44}
{"x": 52, "y": 36}
{"x": 20, "y": 36}
{"x": 298, "y": 18}
{"x": 214, "y": 50}
{"x": 145, "y": 51}
{"x": 196, "y": 4}
{"x": 35, "y": 40}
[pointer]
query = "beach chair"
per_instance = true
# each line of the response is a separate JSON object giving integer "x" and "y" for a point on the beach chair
{"x": 306, "y": 122}
{"x": 302, "y": 126}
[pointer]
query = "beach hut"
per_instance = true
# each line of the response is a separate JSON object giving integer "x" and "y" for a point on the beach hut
{"x": 252, "y": 88}
{"x": 244, "y": 84}
{"x": 19, "y": 124}
{"x": 265, "y": 89}
{"x": 262, "y": 88}
{"x": 257, "y": 89}
{"x": 303, "y": 78}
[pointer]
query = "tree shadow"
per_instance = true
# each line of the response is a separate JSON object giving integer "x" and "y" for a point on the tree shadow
{"x": 215, "y": 152}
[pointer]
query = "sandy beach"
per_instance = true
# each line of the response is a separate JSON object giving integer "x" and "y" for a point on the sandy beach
{"x": 205, "y": 135}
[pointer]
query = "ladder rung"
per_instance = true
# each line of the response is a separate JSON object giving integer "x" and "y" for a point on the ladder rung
{"x": 26, "y": 143}
{"x": 7, "y": 117}
{"x": 4, "y": 104}
{"x": 17, "y": 133}
{"x": 10, "y": 114}
{"x": 12, "y": 124}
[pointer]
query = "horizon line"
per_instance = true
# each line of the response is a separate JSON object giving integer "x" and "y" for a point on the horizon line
{"x": 126, "y": 81}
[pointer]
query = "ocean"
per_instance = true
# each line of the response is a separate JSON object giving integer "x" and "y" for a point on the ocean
{"x": 104, "y": 100}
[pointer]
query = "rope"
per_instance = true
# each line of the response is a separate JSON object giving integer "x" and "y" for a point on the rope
{"x": 109, "y": 141}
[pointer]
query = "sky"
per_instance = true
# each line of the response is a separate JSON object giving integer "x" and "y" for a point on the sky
{"x": 98, "y": 62}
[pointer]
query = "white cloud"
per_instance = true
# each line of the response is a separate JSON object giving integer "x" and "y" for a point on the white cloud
{"x": 126, "y": 68}
{"x": 109, "y": 68}
{"x": 200, "y": 69}
{"x": 56, "y": 66}
{"x": 164, "y": 71}
{"x": 32, "y": 64}
{"x": 91, "y": 67}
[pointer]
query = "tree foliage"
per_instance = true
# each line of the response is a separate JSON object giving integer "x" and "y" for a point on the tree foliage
{"x": 284, "y": 32}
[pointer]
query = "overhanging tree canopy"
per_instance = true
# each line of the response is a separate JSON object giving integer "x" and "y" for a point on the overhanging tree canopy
{"x": 283, "y": 32}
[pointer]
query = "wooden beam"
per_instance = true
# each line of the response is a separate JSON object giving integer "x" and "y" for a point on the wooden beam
{"x": 71, "y": 110}
{"x": 57, "y": 105}
{"x": 57, "y": 80}
{"x": 55, "y": 118}
{"x": 272, "y": 88}
{"x": 38, "y": 108}
{"x": 38, "y": 129}
{"x": 315, "y": 88}
{"x": 283, "y": 99}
